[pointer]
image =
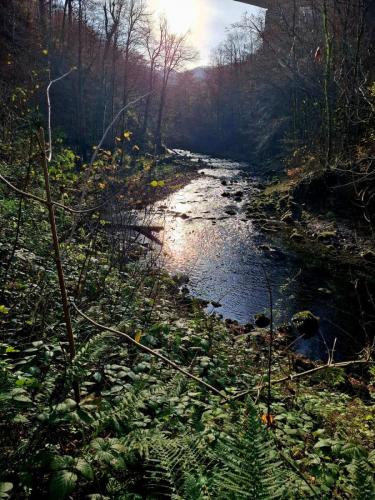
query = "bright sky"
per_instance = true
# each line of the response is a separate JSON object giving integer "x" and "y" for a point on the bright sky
{"x": 206, "y": 19}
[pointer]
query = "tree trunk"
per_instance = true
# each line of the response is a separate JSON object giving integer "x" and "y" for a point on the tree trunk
{"x": 158, "y": 131}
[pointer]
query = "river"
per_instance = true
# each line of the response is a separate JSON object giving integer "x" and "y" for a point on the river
{"x": 226, "y": 258}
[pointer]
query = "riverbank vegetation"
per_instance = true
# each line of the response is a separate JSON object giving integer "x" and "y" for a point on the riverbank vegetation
{"x": 114, "y": 382}
{"x": 140, "y": 428}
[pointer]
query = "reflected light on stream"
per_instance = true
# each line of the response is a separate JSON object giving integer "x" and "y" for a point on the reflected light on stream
{"x": 208, "y": 238}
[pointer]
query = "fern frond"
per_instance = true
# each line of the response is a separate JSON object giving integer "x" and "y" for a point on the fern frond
{"x": 90, "y": 353}
{"x": 121, "y": 414}
{"x": 177, "y": 469}
{"x": 363, "y": 480}
{"x": 248, "y": 465}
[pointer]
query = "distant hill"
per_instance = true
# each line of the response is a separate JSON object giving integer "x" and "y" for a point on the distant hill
{"x": 199, "y": 72}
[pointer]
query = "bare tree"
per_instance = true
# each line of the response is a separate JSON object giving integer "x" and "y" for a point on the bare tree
{"x": 113, "y": 11}
{"x": 134, "y": 21}
{"x": 153, "y": 46}
{"x": 175, "y": 53}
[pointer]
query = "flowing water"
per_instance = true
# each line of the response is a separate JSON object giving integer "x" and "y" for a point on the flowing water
{"x": 208, "y": 238}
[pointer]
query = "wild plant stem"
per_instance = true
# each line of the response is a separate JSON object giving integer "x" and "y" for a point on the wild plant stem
{"x": 56, "y": 247}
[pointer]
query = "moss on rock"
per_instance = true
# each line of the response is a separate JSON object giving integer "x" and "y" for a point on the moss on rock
{"x": 306, "y": 322}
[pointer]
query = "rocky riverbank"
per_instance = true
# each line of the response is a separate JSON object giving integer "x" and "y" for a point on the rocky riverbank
{"x": 274, "y": 207}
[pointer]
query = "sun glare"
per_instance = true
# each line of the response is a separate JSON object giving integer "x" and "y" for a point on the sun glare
{"x": 182, "y": 15}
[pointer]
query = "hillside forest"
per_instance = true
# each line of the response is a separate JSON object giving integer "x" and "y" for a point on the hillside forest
{"x": 187, "y": 253}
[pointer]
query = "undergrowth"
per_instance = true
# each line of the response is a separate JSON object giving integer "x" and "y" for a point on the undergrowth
{"x": 140, "y": 430}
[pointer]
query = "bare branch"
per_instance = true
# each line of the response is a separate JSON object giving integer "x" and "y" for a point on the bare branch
{"x": 52, "y": 82}
{"x": 146, "y": 349}
{"x": 294, "y": 376}
{"x": 56, "y": 203}
{"x": 124, "y": 108}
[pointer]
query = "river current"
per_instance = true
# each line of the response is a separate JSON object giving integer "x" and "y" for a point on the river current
{"x": 208, "y": 238}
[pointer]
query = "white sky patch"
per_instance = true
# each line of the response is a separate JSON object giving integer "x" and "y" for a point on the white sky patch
{"x": 206, "y": 20}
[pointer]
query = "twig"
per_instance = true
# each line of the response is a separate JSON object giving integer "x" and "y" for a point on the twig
{"x": 114, "y": 121}
{"x": 148, "y": 351}
{"x": 342, "y": 364}
{"x": 23, "y": 193}
{"x": 295, "y": 376}
{"x": 49, "y": 158}
{"x": 56, "y": 203}
{"x": 270, "y": 347}
{"x": 332, "y": 354}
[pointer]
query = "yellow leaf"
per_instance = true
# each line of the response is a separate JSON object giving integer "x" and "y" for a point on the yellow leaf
{"x": 45, "y": 52}
{"x": 11, "y": 349}
{"x": 135, "y": 148}
{"x": 4, "y": 310}
{"x": 138, "y": 336}
{"x": 128, "y": 135}
{"x": 161, "y": 183}
{"x": 102, "y": 185}
{"x": 154, "y": 184}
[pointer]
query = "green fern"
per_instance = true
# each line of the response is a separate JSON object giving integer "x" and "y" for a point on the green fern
{"x": 120, "y": 414}
{"x": 248, "y": 465}
{"x": 362, "y": 480}
{"x": 90, "y": 353}
{"x": 177, "y": 469}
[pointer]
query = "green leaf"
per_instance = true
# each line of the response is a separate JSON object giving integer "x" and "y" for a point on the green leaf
{"x": 62, "y": 462}
{"x": 62, "y": 484}
{"x": 323, "y": 443}
{"x": 26, "y": 382}
{"x": 22, "y": 398}
{"x": 371, "y": 457}
{"x": 84, "y": 416}
{"x": 85, "y": 469}
{"x": 4, "y": 489}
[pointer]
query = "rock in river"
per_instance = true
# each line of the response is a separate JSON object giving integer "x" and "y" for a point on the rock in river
{"x": 326, "y": 235}
{"x": 261, "y": 320}
{"x": 230, "y": 210}
{"x": 306, "y": 322}
{"x": 181, "y": 279}
{"x": 215, "y": 304}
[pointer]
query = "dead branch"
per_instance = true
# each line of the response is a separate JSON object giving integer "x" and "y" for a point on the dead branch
{"x": 52, "y": 82}
{"x": 93, "y": 158}
{"x": 294, "y": 376}
{"x": 56, "y": 203}
{"x": 146, "y": 349}
{"x": 144, "y": 230}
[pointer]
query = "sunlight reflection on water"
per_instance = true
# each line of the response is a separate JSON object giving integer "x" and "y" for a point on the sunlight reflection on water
{"x": 221, "y": 254}
{"x": 216, "y": 250}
